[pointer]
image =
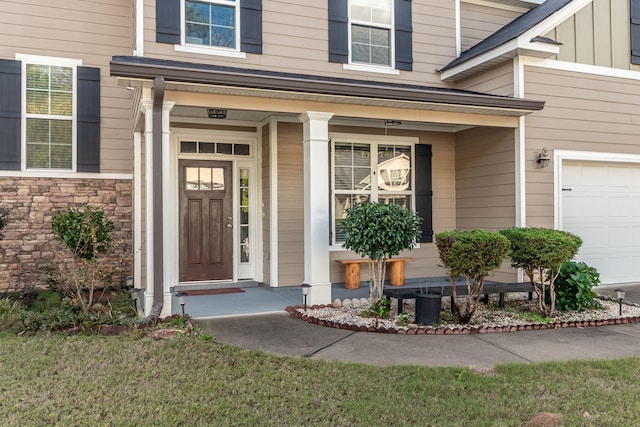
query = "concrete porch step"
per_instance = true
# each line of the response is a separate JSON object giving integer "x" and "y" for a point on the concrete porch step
{"x": 196, "y": 286}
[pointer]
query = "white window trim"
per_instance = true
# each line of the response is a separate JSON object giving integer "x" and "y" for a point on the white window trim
{"x": 50, "y": 61}
{"x": 371, "y": 140}
{"x": 359, "y": 66}
{"x": 211, "y": 50}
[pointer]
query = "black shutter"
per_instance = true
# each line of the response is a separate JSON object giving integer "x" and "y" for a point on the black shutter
{"x": 404, "y": 39}
{"x": 168, "y": 21}
{"x": 251, "y": 26}
{"x": 424, "y": 190}
{"x": 338, "y": 31}
{"x": 635, "y": 31}
{"x": 88, "y": 126}
{"x": 10, "y": 111}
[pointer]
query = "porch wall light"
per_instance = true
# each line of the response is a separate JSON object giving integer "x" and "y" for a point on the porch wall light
{"x": 215, "y": 113}
{"x": 543, "y": 158}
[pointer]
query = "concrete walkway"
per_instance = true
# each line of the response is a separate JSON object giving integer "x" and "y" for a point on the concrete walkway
{"x": 279, "y": 333}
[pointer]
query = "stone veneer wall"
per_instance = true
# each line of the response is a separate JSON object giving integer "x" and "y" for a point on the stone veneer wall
{"x": 27, "y": 249}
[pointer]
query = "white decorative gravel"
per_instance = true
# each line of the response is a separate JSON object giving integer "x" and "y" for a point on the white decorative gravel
{"x": 518, "y": 312}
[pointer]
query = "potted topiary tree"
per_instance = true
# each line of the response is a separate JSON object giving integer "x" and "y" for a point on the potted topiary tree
{"x": 540, "y": 252}
{"x": 379, "y": 231}
{"x": 472, "y": 255}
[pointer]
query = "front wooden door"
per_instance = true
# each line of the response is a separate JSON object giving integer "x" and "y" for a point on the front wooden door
{"x": 206, "y": 220}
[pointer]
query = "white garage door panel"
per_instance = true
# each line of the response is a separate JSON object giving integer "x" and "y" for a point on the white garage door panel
{"x": 601, "y": 204}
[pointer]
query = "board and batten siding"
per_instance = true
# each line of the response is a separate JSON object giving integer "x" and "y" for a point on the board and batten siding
{"x": 92, "y": 31}
{"x": 266, "y": 205}
{"x": 496, "y": 81}
{"x": 598, "y": 34}
{"x": 295, "y": 40}
{"x": 583, "y": 112}
{"x": 477, "y": 22}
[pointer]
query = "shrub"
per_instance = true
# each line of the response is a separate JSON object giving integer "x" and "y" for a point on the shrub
{"x": 540, "y": 252}
{"x": 472, "y": 254}
{"x": 84, "y": 232}
{"x": 4, "y": 215}
{"x": 379, "y": 231}
{"x": 87, "y": 235}
{"x": 573, "y": 286}
{"x": 11, "y": 314}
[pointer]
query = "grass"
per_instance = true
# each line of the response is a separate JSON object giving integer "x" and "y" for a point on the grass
{"x": 95, "y": 380}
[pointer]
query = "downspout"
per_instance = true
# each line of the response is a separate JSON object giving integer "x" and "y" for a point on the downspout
{"x": 158, "y": 267}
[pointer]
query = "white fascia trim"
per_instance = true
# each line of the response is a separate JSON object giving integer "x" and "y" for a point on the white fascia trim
{"x": 593, "y": 156}
{"x": 582, "y": 68}
{"x": 50, "y": 174}
{"x": 371, "y": 69}
{"x": 210, "y": 51}
{"x": 458, "y": 29}
{"x": 49, "y": 60}
{"x": 523, "y": 42}
{"x": 273, "y": 202}
{"x": 497, "y": 5}
{"x": 139, "y": 50}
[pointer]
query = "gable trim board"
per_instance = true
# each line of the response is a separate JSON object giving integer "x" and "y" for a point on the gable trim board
{"x": 87, "y": 121}
{"x": 169, "y": 24}
{"x": 582, "y": 68}
{"x": 511, "y": 40}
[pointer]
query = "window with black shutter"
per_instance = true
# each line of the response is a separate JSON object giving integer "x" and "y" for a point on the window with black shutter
{"x": 369, "y": 26}
{"x": 635, "y": 31}
{"x": 215, "y": 24}
{"x": 51, "y": 131}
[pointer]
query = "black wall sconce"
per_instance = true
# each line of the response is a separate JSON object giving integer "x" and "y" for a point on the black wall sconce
{"x": 543, "y": 158}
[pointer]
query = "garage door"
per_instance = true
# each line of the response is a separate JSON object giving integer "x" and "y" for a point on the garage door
{"x": 601, "y": 204}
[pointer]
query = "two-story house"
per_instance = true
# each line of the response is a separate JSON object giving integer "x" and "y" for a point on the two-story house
{"x": 245, "y": 128}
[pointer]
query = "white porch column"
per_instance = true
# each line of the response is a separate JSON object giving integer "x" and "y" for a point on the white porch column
{"x": 170, "y": 239}
{"x": 147, "y": 108}
{"x": 316, "y": 205}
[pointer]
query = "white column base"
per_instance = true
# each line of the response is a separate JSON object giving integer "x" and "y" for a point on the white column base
{"x": 148, "y": 302}
{"x": 166, "y": 305}
{"x": 320, "y": 293}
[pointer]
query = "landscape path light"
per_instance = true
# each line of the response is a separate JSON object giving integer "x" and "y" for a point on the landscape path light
{"x": 306, "y": 288}
{"x": 620, "y": 293}
{"x": 182, "y": 300}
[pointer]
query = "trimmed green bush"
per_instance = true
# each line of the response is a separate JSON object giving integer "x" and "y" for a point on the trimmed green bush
{"x": 473, "y": 255}
{"x": 574, "y": 286}
{"x": 85, "y": 232}
{"x": 379, "y": 231}
{"x": 540, "y": 252}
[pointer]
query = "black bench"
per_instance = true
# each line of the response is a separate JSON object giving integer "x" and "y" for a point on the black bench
{"x": 445, "y": 290}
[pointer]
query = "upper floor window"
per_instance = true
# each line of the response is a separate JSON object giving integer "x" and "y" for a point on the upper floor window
{"x": 219, "y": 27}
{"x": 371, "y": 32}
{"x": 49, "y": 116}
{"x": 211, "y": 23}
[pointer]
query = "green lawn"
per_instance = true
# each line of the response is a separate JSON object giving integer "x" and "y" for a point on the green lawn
{"x": 94, "y": 380}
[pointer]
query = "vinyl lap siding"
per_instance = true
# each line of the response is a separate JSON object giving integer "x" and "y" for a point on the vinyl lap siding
{"x": 290, "y": 205}
{"x": 499, "y": 80}
{"x": 477, "y": 22}
{"x": 92, "y": 31}
{"x": 583, "y": 112}
{"x": 295, "y": 39}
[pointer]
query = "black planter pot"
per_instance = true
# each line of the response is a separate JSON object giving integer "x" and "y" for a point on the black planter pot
{"x": 427, "y": 308}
